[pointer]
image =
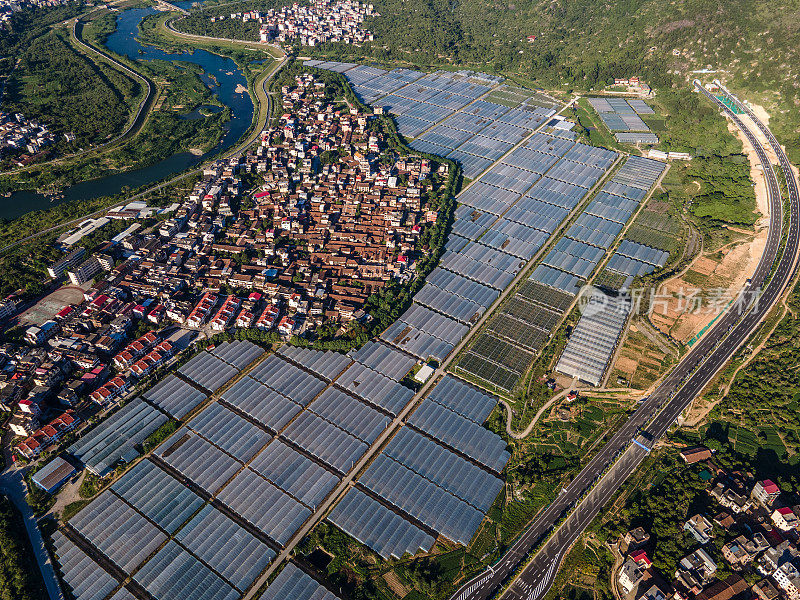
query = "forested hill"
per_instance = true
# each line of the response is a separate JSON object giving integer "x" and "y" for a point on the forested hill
{"x": 580, "y": 44}
{"x": 587, "y": 41}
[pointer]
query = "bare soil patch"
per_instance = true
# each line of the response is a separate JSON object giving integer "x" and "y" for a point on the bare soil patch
{"x": 48, "y": 306}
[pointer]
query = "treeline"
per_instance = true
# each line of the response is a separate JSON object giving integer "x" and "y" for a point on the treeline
{"x": 26, "y": 25}
{"x": 61, "y": 87}
{"x": 584, "y": 44}
{"x": 18, "y": 580}
{"x": 25, "y": 268}
{"x": 234, "y": 29}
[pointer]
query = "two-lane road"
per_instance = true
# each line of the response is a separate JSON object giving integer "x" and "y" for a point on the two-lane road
{"x": 619, "y": 459}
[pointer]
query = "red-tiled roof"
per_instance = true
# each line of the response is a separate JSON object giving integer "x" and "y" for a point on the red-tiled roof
{"x": 770, "y": 487}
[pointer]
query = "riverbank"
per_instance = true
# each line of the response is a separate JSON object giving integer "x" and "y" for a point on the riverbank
{"x": 29, "y": 234}
{"x": 199, "y": 132}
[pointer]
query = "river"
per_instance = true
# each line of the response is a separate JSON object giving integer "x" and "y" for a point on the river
{"x": 124, "y": 41}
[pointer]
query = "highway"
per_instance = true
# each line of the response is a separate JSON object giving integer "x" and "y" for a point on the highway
{"x": 581, "y": 501}
{"x": 349, "y": 480}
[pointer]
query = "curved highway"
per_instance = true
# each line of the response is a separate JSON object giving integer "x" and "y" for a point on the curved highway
{"x": 134, "y": 122}
{"x": 138, "y": 119}
{"x": 261, "y": 94}
{"x": 560, "y": 524}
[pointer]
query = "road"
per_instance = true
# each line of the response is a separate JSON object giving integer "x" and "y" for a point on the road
{"x": 134, "y": 122}
{"x": 349, "y": 480}
{"x": 619, "y": 458}
{"x": 264, "y": 117}
{"x": 137, "y": 121}
{"x": 12, "y": 485}
{"x": 168, "y": 24}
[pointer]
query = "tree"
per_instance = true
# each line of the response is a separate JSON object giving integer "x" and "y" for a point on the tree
{"x": 18, "y": 580}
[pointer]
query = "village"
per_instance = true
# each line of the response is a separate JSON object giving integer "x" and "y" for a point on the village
{"x": 322, "y": 21}
{"x": 9, "y": 7}
{"x": 19, "y": 135}
{"x": 331, "y": 218}
{"x": 746, "y": 547}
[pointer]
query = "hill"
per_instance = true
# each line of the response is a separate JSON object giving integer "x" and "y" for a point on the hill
{"x": 582, "y": 44}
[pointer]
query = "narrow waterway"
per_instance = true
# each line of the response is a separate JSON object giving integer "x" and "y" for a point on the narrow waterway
{"x": 221, "y": 74}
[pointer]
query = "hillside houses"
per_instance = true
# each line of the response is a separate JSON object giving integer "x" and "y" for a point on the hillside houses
{"x": 334, "y": 219}
{"x": 329, "y": 217}
{"x": 739, "y": 551}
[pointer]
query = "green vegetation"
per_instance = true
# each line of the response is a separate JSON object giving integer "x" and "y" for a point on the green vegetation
{"x": 160, "y": 434}
{"x": 584, "y": 574}
{"x": 674, "y": 495}
{"x": 27, "y": 25}
{"x": 72, "y": 509}
{"x": 59, "y": 85}
{"x": 726, "y": 194}
{"x": 759, "y": 418}
{"x": 584, "y": 45}
{"x": 263, "y": 338}
{"x": 560, "y": 442}
{"x": 39, "y": 500}
{"x": 25, "y": 267}
{"x": 19, "y": 578}
{"x": 713, "y": 191}
{"x": 363, "y": 575}
{"x": 90, "y": 485}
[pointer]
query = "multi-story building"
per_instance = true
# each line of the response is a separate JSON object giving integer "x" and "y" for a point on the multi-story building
{"x": 765, "y": 492}
{"x": 85, "y": 271}
{"x": 67, "y": 262}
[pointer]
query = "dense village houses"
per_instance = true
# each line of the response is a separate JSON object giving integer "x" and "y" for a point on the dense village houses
{"x": 331, "y": 218}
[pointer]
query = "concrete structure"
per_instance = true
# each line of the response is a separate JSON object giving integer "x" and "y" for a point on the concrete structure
{"x": 85, "y": 271}
{"x": 700, "y": 527}
{"x": 633, "y": 540}
{"x": 765, "y": 492}
{"x": 630, "y": 575}
{"x": 58, "y": 268}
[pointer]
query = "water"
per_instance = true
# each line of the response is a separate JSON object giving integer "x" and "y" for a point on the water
{"x": 124, "y": 41}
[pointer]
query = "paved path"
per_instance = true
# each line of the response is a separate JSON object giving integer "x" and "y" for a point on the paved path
{"x": 264, "y": 117}
{"x": 135, "y": 122}
{"x": 551, "y": 535}
{"x": 518, "y": 435}
{"x": 169, "y": 24}
{"x": 12, "y": 484}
